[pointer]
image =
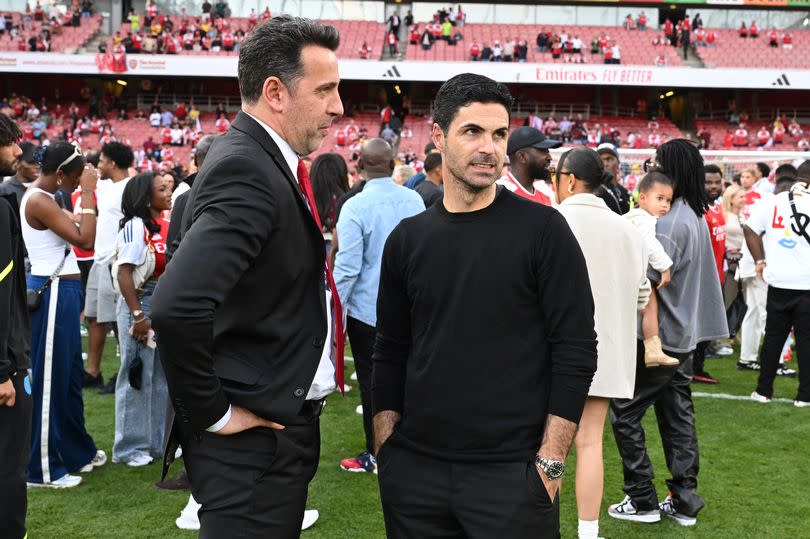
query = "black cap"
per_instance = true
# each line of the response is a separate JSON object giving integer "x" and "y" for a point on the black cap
{"x": 529, "y": 137}
{"x": 28, "y": 150}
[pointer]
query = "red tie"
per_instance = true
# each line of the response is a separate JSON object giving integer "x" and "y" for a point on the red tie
{"x": 306, "y": 188}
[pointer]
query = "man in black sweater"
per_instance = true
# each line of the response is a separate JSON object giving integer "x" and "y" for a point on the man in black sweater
{"x": 15, "y": 333}
{"x": 485, "y": 344}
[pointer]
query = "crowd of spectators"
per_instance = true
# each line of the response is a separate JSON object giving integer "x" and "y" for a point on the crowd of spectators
{"x": 34, "y": 30}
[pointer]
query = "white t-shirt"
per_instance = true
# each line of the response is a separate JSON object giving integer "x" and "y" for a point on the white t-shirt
{"x": 109, "y": 195}
{"x": 177, "y": 136}
{"x": 787, "y": 253}
{"x": 154, "y": 119}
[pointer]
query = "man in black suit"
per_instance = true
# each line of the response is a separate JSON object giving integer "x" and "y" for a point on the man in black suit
{"x": 243, "y": 314}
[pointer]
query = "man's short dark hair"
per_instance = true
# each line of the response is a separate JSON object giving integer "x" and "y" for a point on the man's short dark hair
{"x": 92, "y": 157}
{"x": 10, "y": 132}
{"x": 202, "y": 149}
{"x": 119, "y": 153}
{"x": 432, "y": 160}
{"x": 713, "y": 169}
{"x": 764, "y": 169}
{"x": 463, "y": 90}
{"x": 429, "y": 147}
{"x": 652, "y": 178}
{"x": 273, "y": 49}
{"x": 786, "y": 170}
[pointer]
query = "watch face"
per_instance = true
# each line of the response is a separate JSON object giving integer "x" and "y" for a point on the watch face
{"x": 555, "y": 469}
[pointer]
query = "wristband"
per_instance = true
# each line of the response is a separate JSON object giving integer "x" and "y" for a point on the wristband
{"x": 88, "y": 211}
{"x": 762, "y": 261}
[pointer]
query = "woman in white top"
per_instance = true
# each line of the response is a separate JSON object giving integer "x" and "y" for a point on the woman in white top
{"x": 617, "y": 265}
{"x": 60, "y": 443}
{"x": 733, "y": 204}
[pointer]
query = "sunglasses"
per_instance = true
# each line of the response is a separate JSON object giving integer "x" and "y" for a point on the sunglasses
{"x": 651, "y": 164}
{"x": 77, "y": 152}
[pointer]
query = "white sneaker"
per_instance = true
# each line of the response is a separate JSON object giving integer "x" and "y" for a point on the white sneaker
{"x": 801, "y": 404}
{"x": 627, "y": 511}
{"x": 346, "y": 388}
{"x": 137, "y": 461}
{"x": 724, "y": 351}
{"x": 354, "y": 375}
{"x": 310, "y": 517}
{"x": 669, "y": 510}
{"x": 759, "y": 398}
{"x": 98, "y": 461}
{"x": 359, "y": 409}
{"x": 188, "y": 519}
{"x": 66, "y": 481}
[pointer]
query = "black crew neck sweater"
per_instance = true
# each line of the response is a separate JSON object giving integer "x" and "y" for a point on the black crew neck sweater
{"x": 485, "y": 326}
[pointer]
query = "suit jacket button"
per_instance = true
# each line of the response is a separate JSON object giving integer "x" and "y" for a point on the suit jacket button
{"x": 299, "y": 392}
{"x": 317, "y": 342}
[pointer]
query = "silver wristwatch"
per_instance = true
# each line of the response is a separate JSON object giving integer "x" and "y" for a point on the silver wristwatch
{"x": 137, "y": 313}
{"x": 554, "y": 469}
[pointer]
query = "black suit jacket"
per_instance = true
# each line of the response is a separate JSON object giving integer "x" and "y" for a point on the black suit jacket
{"x": 240, "y": 313}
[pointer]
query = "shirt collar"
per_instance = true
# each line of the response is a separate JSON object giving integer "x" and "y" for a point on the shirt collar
{"x": 286, "y": 151}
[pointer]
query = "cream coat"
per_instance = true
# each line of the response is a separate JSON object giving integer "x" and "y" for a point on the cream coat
{"x": 617, "y": 267}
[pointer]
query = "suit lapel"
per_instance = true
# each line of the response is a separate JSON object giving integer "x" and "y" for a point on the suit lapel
{"x": 244, "y": 123}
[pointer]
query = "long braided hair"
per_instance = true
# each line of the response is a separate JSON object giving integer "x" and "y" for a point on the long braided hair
{"x": 681, "y": 161}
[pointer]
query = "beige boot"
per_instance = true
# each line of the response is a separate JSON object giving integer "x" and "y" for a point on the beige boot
{"x": 654, "y": 355}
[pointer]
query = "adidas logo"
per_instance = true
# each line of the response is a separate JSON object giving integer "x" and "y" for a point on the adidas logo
{"x": 781, "y": 81}
{"x": 392, "y": 73}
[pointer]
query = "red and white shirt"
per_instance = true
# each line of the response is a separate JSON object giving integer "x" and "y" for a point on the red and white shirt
{"x": 716, "y": 220}
{"x": 513, "y": 185}
{"x": 222, "y": 125}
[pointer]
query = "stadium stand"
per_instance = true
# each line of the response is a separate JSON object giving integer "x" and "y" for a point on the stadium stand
{"x": 734, "y": 51}
{"x": 62, "y": 38}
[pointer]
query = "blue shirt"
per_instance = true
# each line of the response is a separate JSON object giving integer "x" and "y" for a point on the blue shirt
{"x": 415, "y": 180}
{"x": 364, "y": 224}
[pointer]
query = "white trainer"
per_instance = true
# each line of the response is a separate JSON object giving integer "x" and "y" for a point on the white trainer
{"x": 140, "y": 460}
{"x": 66, "y": 481}
{"x": 98, "y": 461}
{"x": 359, "y": 409}
{"x": 188, "y": 519}
{"x": 310, "y": 517}
{"x": 756, "y": 397}
{"x": 669, "y": 510}
{"x": 354, "y": 375}
{"x": 801, "y": 404}
{"x": 627, "y": 511}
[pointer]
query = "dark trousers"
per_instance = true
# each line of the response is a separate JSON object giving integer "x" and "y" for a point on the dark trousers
{"x": 785, "y": 308}
{"x": 15, "y": 439}
{"x": 425, "y": 497}
{"x": 252, "y": 484}
{"x": 668, "y": 390}
{"x": 361, "y": 337}
{"x": 699, "y": 357}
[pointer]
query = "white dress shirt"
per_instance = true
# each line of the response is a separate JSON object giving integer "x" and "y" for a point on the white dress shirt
{"x": 324, "y": 382}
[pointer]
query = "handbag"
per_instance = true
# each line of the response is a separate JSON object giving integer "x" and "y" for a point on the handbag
{"x": 143, "y": 270}
{"x": 33, "y": 297}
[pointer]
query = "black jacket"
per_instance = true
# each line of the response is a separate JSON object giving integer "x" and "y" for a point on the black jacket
{"x": 240, "y": 313}
{"x": 15, "y": 329}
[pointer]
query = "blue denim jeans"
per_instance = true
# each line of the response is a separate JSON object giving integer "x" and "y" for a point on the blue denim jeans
{"x": 140, "y": 414}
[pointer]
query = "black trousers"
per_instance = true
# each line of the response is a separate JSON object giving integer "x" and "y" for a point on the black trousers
{"x": 424, "y": 497}
{"x": 361, "y": 337}
{"x": 668, "y": 390}
{"x": 699, "y": 357}
{"x": 15, "y": 441}
{"x": 785, "y": 308}
{"x": 252, "y": 484}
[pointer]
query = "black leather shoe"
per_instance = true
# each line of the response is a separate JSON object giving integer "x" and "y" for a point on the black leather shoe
{"x": 109, "y": 387}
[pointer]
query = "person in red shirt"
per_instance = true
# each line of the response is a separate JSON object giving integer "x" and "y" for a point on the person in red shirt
{"x": 172, "y": 45}
{"x": 773, "y": 38}
{"x": 137, "y": 43}
{"x": 787, "y": 40}
{"x": 743, "y": 30}
{"x": 753, "y": 30}
{"x": 686, "y": 25}
{"x": 413, "y": 37}
{"x": 391, "y": 39}
{"x": 700, "y": 37}
{"x": 21, "y": 45}
{"x": 227, "y": 40}
{"x": 763, "y": 136}
{"x": 778, "y": 133}
{"x": 711, "y": 38}
{"x": 266, "y": 16}
{"x": 529, "y": 165}
{"x": 642, "y": 21}
{"x": 475, "y": 51}
{"x": 180, "y": 111}
{"x": 222, "y": 124}
{"x": 741, "y": 136}
{"x": 166, "y": 135}
{"x": 364, "y": 51}
{"x": 668, "y": 29}
{"x": 253, "y": 19}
